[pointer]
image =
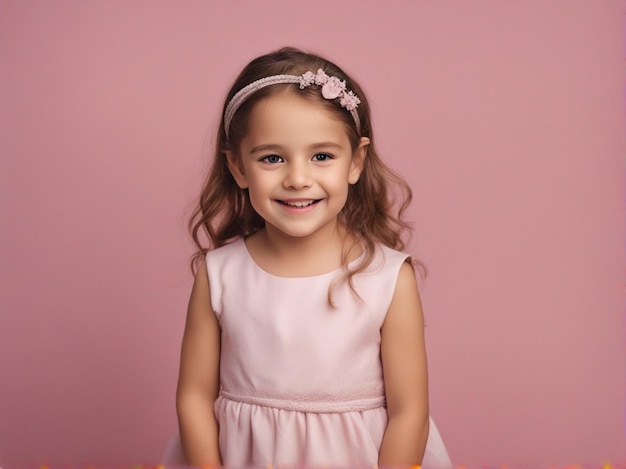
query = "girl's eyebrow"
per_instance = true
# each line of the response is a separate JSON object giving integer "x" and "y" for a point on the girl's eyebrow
{"x": 275, "y": 147}
{"x": 265, "y": 147}
{"x": 317, "y": 146}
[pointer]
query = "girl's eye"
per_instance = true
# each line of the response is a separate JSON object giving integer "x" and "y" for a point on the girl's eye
{"x": 272, "y": 159}
{"x": 322, "y": 157}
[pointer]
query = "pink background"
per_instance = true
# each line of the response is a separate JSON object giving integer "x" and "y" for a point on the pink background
{"x": 505, "y": 116}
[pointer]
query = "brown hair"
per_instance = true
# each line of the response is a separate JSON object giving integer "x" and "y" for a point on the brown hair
{"x": 375, "y": 205}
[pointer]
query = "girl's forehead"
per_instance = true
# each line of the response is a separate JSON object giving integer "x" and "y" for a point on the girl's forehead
{"x": 288, "y": 117}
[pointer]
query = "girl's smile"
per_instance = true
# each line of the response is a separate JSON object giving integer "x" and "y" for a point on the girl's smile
{"x": 298, "y": 204}
{"x": 297, "y": 163}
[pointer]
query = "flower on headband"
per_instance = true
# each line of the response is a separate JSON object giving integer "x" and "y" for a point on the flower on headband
{"x": 333, "y": 88}
{"x": 321, "y": 77}
{"x": 307, "y": 79}
{"x": 349, "y": 100}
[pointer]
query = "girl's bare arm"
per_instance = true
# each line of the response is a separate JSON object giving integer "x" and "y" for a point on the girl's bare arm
{"x": 406, "y": 376}
{"x": 198, "y": 381}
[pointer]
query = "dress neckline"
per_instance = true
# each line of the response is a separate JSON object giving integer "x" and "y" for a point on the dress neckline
{"x": 307, "y": 277}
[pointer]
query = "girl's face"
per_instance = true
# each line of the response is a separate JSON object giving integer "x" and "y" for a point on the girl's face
{"x": 297, "y": 163}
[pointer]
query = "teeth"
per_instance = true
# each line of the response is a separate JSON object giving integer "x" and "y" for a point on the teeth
{"x": 300, "y": 204}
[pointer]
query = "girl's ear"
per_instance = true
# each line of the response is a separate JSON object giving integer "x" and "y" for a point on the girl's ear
{"x": 236, "y": 169}
{"x": 358, "y": 160}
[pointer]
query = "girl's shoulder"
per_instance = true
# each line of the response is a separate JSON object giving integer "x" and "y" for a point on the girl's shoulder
{"x": 226, "y": 261}
{"x": 225, "y": 251}
{"x": 389, "y": 257}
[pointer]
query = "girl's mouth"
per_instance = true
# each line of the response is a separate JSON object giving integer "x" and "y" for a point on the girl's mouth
{"x": 298, "y": 203}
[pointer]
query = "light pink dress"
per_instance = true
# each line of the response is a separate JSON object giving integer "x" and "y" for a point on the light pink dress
{"x": 302, "y": 383}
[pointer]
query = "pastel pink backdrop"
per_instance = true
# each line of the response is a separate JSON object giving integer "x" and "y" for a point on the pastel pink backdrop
{"x": 506, "y": 117}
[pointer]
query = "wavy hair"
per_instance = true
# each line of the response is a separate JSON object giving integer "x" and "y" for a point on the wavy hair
{"x": 375, "y": 207}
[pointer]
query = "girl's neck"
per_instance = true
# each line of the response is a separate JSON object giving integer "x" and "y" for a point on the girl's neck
{"x": 288, "y": 256}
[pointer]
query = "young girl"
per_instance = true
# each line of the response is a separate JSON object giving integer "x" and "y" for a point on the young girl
{"x": 304, "y": 342}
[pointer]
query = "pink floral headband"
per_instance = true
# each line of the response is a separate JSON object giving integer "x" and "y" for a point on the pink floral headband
{"x": 332, "y": 88}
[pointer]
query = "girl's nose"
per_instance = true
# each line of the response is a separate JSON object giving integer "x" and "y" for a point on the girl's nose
{"x": 298, "y": 176}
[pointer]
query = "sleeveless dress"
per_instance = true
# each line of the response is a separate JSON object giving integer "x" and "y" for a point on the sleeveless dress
{"x": 301, "y": 382}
